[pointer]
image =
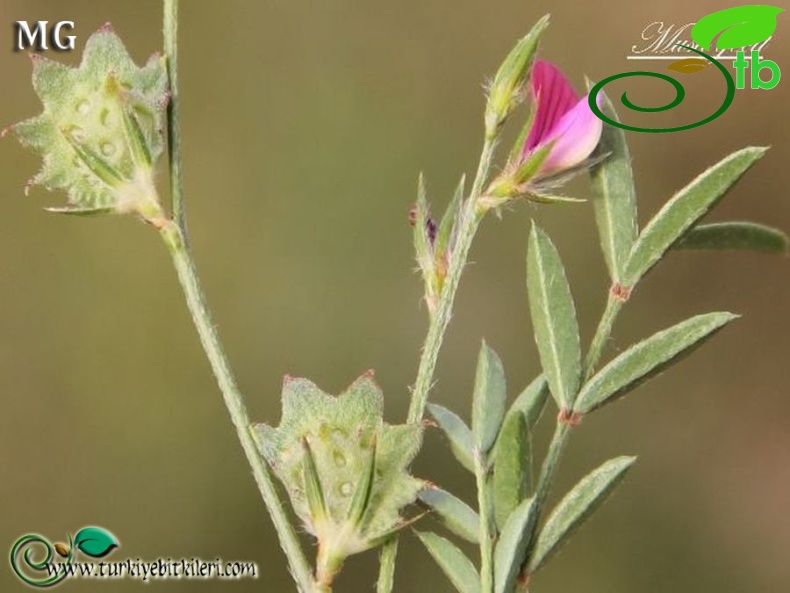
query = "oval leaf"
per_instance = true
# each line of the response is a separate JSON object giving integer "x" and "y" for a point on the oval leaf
{"x": 739, "y": 26}
{"x": 488, "y": 403}
{"x": 735, "y": 235}
{"x": 647, "y": 358}
{"x": 576, "y": 507}
{"x": 512, "y": 481}
{"x": 453, "y": 512}
{"x": 688, "y": 65}
{"x": 461, "y": 441}
{"x": 614, "y": 196}
{"x": 511, "y": 549}
{"x": 452, "y": 561}
{"x": 553, "y": 318}
{"x": 95, "y": 541}
{"x": 685, "y": 209}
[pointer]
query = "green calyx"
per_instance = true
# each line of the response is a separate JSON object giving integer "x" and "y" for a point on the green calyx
{"x": 101, "y": 129}
{"x": 345, "y": 470}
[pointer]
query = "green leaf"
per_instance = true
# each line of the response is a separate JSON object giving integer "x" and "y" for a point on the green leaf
{"x": 735, "y": 235}
{"x": 647, "y": 358}
{"x": 488, "y": 403}
{"x": 452, "y": 561}
{"x": 532, "y": 401}
{"x": 684, "y": 210}
{"x": 95, "y": 542}
{"x": 739, "y": 26}
{"x": 581, "y": 502}
{"x": 614, "y": 195}
{"x": 512, "y": 479}
{"x": 461, "y": 440}
{"x": 445, "y": 236}
{"x": 453, "y": 512}
{"x": 553, "y": 318}
{"x": 514, "y": 541}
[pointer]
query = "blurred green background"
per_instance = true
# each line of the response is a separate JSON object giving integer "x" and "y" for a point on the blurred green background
{"x": 305, "y": 126}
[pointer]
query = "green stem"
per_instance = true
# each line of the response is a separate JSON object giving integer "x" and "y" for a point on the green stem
{"x": 471, "y": 216}
{"x": 563, "y": 429}
{"x": 602, "y": 335}
{"x": 182, "y": 260}
{"x": 486, "y": 536}
{"x": 174, "y": 235}
{"x": 387, "y": 557}
{"x": 550, "y": 464}
{"x": 469, "y": 222}
{"x": 173, "y": 113}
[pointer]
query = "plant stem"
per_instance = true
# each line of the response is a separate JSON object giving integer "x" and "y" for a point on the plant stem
{"x": 550, "y": 464}
{"x": 486, "y": 537}
{"x": 561, "y": 433}
{"x": 469, "y": 221}
{"x": 174, "y": 235}
{"x": 563, "y": 429}
{"x": 182, "y": 260}
{"x": 468, "y": 224}
{"x": 602, "y": 335}
{"x": 173, "y": 115}
{"x": 387, "y": 557}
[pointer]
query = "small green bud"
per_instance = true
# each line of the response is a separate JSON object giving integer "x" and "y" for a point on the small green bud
{"x": 345, "y": 470}
{"x": 506, "y": 90}
{"x": 101, "y": 129}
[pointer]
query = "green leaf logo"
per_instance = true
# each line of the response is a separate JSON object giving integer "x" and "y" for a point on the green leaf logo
{"x": 95, "y": 541}
{"x": 736, "y": 27}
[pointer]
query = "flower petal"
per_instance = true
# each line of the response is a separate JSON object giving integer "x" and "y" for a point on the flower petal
{"x": 554, "y": 95}
{"x": 575, "y": 136}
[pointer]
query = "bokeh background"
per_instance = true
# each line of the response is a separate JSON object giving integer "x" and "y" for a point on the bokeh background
{"x": 305, "y": 126}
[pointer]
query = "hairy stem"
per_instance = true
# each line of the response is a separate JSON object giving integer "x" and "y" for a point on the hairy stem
{"x": 470, "y": 219}
{"x": 196, "y": 302}
{"x": 602, "y": 335}
{"x": 468, "y": 224}
{"x": 387, "y": 557}
{"x": 174, "y": 235}
{"x": 486, "y": 537}
{"x": 173, "y": 115}
{"x": 563, "y": 429}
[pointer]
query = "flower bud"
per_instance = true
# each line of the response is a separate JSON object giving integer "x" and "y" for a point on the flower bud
{"x": 506, "y": 89}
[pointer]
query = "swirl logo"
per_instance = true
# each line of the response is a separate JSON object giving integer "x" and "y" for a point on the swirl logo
{"x": 39, "y": 569}
{"x": 727, "y": 29}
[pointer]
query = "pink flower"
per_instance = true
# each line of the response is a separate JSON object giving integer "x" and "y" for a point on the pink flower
{"x": 562, "y": 118}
